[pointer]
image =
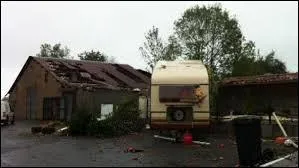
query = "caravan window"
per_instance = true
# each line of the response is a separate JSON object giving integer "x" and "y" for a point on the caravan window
{"x": 177, "y": 94}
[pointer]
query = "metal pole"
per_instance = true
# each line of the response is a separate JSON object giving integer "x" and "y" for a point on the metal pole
{"x": 280, "y": 126}
{"x": 166, "y": 138}
{"x": 201, "y": 143}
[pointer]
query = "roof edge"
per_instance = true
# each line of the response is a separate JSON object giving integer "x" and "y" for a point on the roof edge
{"x": 29, "y": 59}
{"x": 249, "y": 80}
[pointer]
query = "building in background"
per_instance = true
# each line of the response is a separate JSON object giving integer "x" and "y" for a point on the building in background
{"x": 255, "y": 94}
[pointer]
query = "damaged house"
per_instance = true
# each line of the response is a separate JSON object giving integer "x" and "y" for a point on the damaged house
{"x": 51, "y": 89}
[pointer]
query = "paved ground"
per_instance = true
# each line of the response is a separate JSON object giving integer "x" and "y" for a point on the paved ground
{"x": 288, "y": 162}
{"x": 19, "y": 148}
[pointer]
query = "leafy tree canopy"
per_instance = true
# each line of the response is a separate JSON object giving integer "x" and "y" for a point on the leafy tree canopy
{"x": 154, "y": 49}
{"x": 46, "y": 50}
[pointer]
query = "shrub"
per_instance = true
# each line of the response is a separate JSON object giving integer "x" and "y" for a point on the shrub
{"x": 126, "y": 118}
{"x": 122, "y": 121}
{"x": 106, "y": 128}
{"x": 79, "y": 122}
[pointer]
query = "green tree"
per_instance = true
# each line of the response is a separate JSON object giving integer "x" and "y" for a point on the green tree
{"x": 209, "y": 34}
{"x": 245, "y": 65}
{"x": 270, "y": 64}
{"x": 258, "y": 65}
{"x": 154, "y": 49}
{"x": 46, "y": 50}
{"x": 93, "y": 56}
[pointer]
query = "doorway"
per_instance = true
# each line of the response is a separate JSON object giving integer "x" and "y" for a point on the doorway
{"x": 31, "y": 103}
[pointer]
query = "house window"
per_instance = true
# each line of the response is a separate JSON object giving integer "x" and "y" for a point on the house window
{"x": 106, "y": 109}
{"x": 46, "y": 77}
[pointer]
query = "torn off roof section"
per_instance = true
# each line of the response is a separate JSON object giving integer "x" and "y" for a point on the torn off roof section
{"x": 95, "y": 73}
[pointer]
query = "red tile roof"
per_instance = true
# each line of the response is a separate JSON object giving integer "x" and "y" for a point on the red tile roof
{"x": 261, "y": 79}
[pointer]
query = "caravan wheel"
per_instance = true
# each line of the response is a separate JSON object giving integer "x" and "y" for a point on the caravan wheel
{"x": 178, "y": 115}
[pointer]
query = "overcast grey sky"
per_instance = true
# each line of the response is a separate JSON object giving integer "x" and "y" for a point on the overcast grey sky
{"x": 118, "y": 28}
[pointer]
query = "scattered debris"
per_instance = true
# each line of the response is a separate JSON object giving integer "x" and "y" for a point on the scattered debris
{"x": 201, "y": 143}
{"x": 267, "y": 140}
{"x": 284, "y": 132}
{"x": 135, "y": 158}
{"x": 133, "y": 150}
{"x": 275, "y": 161}
{"x": 62, "y": 129}
{"x": 295, "y": 145}
{"x": 288, "y": 142}
{"x": 175, "y": 140}
{"x": 267, "y": 155}
{"x": 280, "y": 140}
{"x": 166, "y": 138}
{"x": 221, "y": 145}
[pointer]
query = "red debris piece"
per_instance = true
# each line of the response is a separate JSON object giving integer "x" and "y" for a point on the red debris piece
{"x": 130, "y": 149}
{"x": 280, "y": 140}
{"x": 135, "y": 158}
{"x": 221, "y": 146}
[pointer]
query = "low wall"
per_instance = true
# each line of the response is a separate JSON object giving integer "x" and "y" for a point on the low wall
{"x": 268, "y": 130}
{"x": 273, "y": 130}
